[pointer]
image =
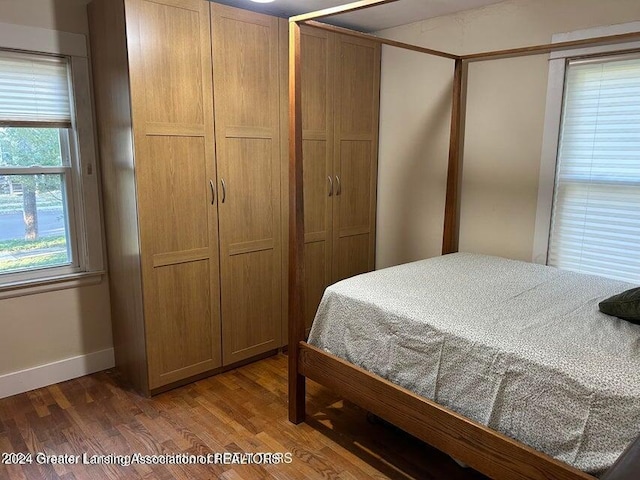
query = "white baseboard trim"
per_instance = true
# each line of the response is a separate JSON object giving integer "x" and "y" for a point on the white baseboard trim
{"x": 50, "y": 373}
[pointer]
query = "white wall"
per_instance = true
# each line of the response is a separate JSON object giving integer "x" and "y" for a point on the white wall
{"x": 505, "y": 115}
{"x": 53, "y": 326}
{"x": 63, "y": 15}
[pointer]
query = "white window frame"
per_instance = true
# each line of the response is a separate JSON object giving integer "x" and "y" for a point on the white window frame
{"x": 553, "y": 116}
{"x": 69, "y": 169}
{"x": 85, "y": 217}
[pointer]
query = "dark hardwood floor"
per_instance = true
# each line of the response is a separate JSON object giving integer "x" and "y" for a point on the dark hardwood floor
{"x": 243, "y": 410}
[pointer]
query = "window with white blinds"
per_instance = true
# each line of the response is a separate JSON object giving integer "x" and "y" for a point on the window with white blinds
{"x": 34, "y": 90}
{"x": 50, "y": 216}
{"x": 595, "y": 224}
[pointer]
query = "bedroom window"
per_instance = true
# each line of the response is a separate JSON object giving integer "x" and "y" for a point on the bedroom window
{"x": 44, "y": 223}
{"x": 595, "y": 221}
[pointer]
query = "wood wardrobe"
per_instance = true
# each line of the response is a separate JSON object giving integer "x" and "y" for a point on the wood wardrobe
{"x": 191, "y": 106}
{"x": 340, "y": 112}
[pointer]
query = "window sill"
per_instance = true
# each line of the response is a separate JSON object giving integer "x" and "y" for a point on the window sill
{"x": 62, "y": 282}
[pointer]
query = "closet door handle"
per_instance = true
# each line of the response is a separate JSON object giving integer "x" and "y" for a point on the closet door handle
{"x": 213, "y": 192}
{"x": 330, "y": 185}
{"x": 224, "y": 190}
{"x": 338, "y": 186}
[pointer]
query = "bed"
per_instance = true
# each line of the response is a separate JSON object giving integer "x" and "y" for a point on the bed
{"x": 519, "y": 347}
{"x": 510, "y": 430}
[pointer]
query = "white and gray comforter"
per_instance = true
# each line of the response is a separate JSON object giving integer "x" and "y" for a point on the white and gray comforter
{"x": 516, "y": 346}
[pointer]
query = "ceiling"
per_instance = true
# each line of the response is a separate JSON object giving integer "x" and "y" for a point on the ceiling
{"x": 367, "y": 20}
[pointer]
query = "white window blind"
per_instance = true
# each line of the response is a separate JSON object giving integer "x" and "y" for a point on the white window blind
{"x": 34, "y": 90}
{"x": 596, "y": 212}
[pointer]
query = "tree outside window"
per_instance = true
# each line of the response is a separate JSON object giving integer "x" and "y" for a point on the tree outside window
{"x": 26, "y": 147}
{"x": 31, "y": 199}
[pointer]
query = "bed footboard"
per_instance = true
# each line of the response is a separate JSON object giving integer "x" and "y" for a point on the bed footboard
{"x": 483, "y": 449}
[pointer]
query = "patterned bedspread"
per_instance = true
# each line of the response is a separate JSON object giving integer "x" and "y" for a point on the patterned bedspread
{"x": 516, "y": 346}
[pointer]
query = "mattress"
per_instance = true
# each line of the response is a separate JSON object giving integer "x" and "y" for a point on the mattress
{"x": 519, "y": 347}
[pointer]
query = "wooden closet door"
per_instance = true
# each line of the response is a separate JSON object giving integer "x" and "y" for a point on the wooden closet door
{"x": 172, "y": 112}
{"x": 246, "y": 95}
{"x": 317, "y": 146}
{"x": 357, "y": 90}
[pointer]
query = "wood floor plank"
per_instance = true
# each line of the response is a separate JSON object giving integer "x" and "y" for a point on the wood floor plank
{"x": 241, "y": 411}
{"x": 59, "y": 397}
{"x": 38, "y": 401}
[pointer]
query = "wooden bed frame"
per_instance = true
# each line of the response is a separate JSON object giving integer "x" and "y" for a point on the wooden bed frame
{"x": 483, "y": 449}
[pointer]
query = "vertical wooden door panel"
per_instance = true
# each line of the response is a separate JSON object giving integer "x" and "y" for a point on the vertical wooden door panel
{"x": 316, "y": 112}
{"x": 357, "y": 86}
{"x": 249, "y": 204}
{"x": 172, "y": 60}
{"x": 351, "y": 256}
{"x": 246, "y": 83}
{"x": 180, "y": 333}
{"x": 316, "y": 263}
{"x": 172, "y": 112}
{"x": 317, "y": 145}
{"x": 244, "y": 67}
{"x": 354, "y": 201}
{"x": 174, "y": 191}
{"x": 317, "y": 188}
{"x": 252, "y": 330}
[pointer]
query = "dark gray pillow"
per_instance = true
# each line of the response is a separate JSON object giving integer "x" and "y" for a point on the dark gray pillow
{"x": 625, "y": 305}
